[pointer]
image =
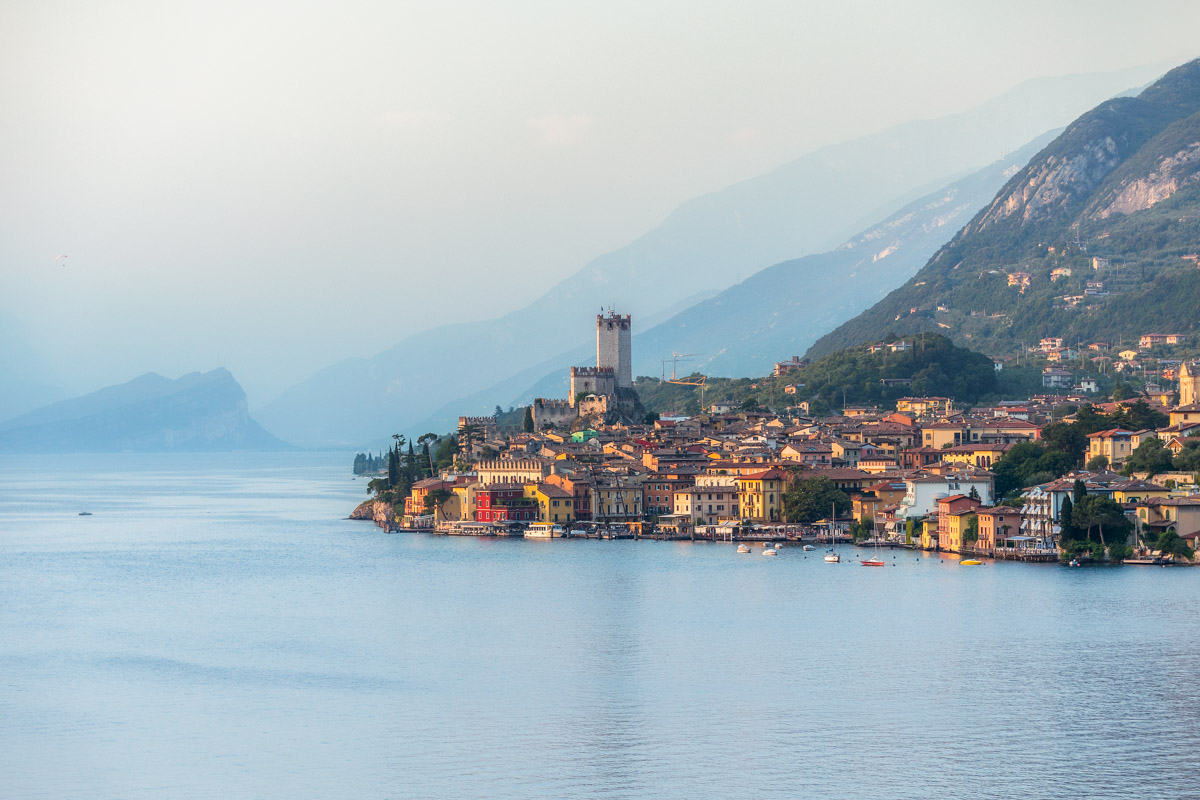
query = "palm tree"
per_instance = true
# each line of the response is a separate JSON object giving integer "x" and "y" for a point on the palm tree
{"x": 425, "y": 440}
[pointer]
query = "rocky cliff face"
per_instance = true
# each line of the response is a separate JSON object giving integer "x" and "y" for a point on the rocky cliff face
{"x": 1122, "y": 182}
{"x": 381, "y": 513}
{"x": 1175, "y": 171}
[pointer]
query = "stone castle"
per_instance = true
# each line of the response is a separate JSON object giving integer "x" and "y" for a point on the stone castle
{"x": 600, "y": 393}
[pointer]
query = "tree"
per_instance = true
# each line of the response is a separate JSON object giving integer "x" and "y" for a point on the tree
{"x": 435, "y": 499}
{"x": 1089, "y": 420}
{"x": 425, "y": 440}
{"x": 1068, "y": 530}
{"x": 1170, "y": 543}
{"x": 971, "y": 530}
{"x": 1097, "y": 463}
{"x": 1139, "y": 416}
{"x": 1028, "y": 464}
{"x": 471, "y": 434}
{"x": 447, "y": 449}
{"x": 527, "y": 424}
{"x": 1095, "y": 512}
{"x": 811, "y": 499}
{"x": 1150, "y": 456}
{"x": 1188, "y": 459}
{"x": 1061, "y": 437}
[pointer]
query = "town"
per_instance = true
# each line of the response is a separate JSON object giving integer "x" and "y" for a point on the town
{"x": 1055, "y": 477}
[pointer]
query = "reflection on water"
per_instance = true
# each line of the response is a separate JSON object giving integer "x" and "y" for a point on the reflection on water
{"x": 216, "y": 629}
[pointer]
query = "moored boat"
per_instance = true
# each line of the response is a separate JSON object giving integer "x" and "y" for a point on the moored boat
{"x": 741, "y": 548}
{"x": 872, "y": 562}
{"x": 544, "y": 530}
{"x": 970, "y": 562}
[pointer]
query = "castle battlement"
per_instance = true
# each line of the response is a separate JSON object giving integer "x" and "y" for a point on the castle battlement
{"x": 612, "y": 319}
{"x": 584, "y": 372}
{"x": 551, "y": 403}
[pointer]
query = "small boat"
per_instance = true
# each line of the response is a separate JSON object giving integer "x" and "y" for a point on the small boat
{"x": 1074, "y": 562}
{"x": 832, "y": 558}
{"x": 743, "y": 548}
{"x": 778, "y": 545}
{"x": 875, "y": 560}
{"x": 808, "y": 547}
{"x": 85, "y": 513}
{"x": 970, "y": 562}
{"x": 544, "y": 530}
{"x": 770, "y": 551}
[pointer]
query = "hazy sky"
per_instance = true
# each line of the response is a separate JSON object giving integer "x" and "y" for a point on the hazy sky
{"x": 275, "y": 186}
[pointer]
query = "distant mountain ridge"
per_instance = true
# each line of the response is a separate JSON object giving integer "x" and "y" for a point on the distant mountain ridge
{"x": 1121, "y": 184}
{"x": 743, "y": 330}
{"x": 809, "y": 205}
{"x": 775, "y": 314}
{"x": 197, "y": 412}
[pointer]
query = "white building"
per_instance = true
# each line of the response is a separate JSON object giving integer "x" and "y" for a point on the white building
{"x": 921, "y": 494}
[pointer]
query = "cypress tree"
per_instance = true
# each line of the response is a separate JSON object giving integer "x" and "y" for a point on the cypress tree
{"x": 1064, "y": 520}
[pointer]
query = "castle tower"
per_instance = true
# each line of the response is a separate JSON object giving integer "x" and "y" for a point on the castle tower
{"x": 1189, "y": 383}
{"x": 614, "y": 348}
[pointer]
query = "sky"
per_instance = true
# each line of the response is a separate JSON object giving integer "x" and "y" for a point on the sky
{"x": 275, "y": 186}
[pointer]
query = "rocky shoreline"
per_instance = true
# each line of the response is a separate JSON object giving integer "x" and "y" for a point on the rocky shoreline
{"x": 379, "y": 512}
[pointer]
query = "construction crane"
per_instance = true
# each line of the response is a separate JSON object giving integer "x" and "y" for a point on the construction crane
{"x": 675, "y": 359}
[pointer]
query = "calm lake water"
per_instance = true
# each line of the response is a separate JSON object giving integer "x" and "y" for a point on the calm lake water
{"x": 218, "y": 629}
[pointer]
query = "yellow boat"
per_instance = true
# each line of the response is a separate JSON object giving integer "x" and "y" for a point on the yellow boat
{"x": 970, "y": 562}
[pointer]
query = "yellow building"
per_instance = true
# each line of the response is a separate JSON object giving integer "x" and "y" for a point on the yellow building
{"x": 1115, "y": 444}
{"x": 760, "y": 495}
{"x": 1189, "y": 384}
{"x": 955, "y": 526}
{"x": 1185, "y": 414}
{"x": 617, "y": 501}
{"x": 979, "y": 455}
{"x": 1135, "y": 491}
{"x": 929, "y": 533}
{"x": 925, "y": 406}
{"x": 555, "y": 505}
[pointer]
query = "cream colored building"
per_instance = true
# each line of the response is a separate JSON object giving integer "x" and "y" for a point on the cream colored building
{"x": 511, "y": 470}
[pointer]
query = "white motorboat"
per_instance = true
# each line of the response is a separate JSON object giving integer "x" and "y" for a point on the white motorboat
{"x": 770, "y": 551}
{"x": 741, "y": 548}
{"x": 544, "y": 530}
{"x": 808, "y": 548}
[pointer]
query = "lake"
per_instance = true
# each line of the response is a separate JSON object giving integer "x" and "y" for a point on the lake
{"x": 218, "y": 629}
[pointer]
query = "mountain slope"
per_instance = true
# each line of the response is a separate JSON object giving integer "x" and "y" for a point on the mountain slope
{"x": 1122, "y": 183}
{"x": 776, "y": 313}
{"x": 809, "y": 205}
{"x": 149, "y": 413}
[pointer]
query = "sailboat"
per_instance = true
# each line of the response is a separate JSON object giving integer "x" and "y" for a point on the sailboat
{"x": 832, "y": 556}
{"x": 876, "y": 560}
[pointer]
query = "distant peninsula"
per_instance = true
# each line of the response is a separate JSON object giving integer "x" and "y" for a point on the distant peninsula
{"x": 194, "y": 413}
